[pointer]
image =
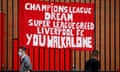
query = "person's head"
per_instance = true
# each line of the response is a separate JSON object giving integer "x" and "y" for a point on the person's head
{"x": 95, "y": 54}
{"x": 22, "y": 51}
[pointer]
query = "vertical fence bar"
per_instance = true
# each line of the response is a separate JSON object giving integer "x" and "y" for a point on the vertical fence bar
{"x": 13, "y": 41}
{"x": 1, "y": 36}
{"x": 33, "y": 58}
{"x": 80, "y": 60}
{"x": 55, "y": 56}
{"x": 52, "y": 55}
{"x": 49, "y": 59}
{"x": 7, "y": 36}
{"x": 38, "y": 59}
{"x": 115, "y": 34}
{"x": 18, "y": 29}
{"x": 84, "y": 51}
{"x": 45, "y": 55}
{"x": 80, "y": 53}
{"x": 75, "y": 52}
{"x": 49, "y": 55}
{"x": 105, "y": 34}
{"x": 110, "y": 34}
{"x": 119, "y": 33}
{"x": 65, "y": 60}
{"x": 65, "y": 51}
{"x": 95, "y": 24}
{"x": 90, "y": 51}
{"x": 15, "y": 54}
{"x": 0, "y": 41}
{"x": 100, "y": 29}
{"x": 59, "y": 51}
{"x": 44, "y": 59}
{"x": 65, "y": 55}
{"x": 59, "y": 60}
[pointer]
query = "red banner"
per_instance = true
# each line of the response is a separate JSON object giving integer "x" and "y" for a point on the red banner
{"x": 56, "y": 25}
{"x": 63, "y": 26}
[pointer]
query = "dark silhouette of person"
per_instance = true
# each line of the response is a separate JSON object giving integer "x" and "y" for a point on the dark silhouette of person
{"x": 93, "y": 65}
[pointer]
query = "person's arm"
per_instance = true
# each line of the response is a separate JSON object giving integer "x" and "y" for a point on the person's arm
{"x": 28, "y": 64}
